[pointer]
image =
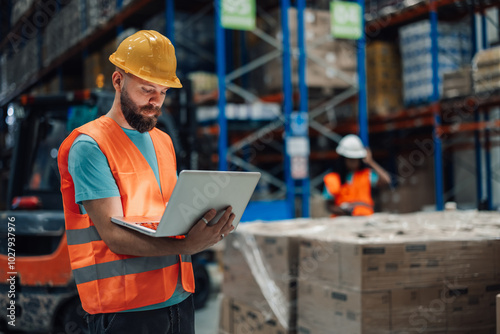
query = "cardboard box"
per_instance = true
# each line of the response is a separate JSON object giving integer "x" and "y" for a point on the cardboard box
{"x": 322, "y": 306}
{"x": 250, "y": 319}
{"x": 383, "y": 74}
{"x": 457, "y": 83}
{"x": 471, "y": 305}
{"x": 498, "y": 313}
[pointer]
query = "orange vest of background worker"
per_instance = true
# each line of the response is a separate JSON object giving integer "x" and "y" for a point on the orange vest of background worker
{"x": 348, "y": 192}
{"x": 104, "y": 279}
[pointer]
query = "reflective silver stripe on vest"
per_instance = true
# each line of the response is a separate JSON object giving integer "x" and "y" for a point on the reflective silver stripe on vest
{"x": 123, "y": 267}
{"x": 82, "y": 236}
{"x": 186, "y": 258}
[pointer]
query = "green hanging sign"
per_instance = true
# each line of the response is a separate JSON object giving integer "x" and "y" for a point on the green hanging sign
{"x": 346, "y": 20}
{"x": 238, "y": 14}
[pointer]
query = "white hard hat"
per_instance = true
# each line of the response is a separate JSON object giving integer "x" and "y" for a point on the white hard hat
{"x": 351, "y": 147}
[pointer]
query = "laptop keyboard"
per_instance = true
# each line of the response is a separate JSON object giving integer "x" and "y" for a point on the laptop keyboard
{"x": 151, "y": 225}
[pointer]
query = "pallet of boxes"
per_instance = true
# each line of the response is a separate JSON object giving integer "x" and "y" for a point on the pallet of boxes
{"x": 384, "y": 274}
{"x": 331, "y": 63}
{"x": 486, "y": 72}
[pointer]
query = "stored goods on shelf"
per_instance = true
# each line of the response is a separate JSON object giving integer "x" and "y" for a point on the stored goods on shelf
{"x": 415, "y": 177}
{"x": 457, "y": 83}
{"x": 19, "y": 8}
{"x": 486, "y": 70}
{"x": 381, "y": 274}
{"x": 203, "y": 82}
{"x": 383, "y": 74}
{"x": 62, "y": 32}
{"x": 257, "y": 111}
{"x": 454, "y": 51}
{"x": 194, "y": 45}
{"x": 20, "y": 66}
{"x": 99, "y": 12}
{"x": 331, "y": 63}
{"x": 377, "y": 8}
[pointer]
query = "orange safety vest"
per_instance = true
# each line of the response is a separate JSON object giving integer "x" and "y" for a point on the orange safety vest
{"x": 358, "y": 192}
{"x": 109, "y": 282}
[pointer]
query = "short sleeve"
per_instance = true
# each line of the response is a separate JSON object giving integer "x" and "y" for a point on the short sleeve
{"x": 373, "y": 178}
{"x": 90, "y": 171}
{"x": 327, "y": 195}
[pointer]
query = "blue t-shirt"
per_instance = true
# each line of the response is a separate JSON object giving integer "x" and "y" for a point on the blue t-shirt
{"x": 93, "y": 179}
{"x": 373, "y": 181}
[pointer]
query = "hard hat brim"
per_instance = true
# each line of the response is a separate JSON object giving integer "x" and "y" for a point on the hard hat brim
{"x": 176, "y": 83}
{"x": 358, "y": 154}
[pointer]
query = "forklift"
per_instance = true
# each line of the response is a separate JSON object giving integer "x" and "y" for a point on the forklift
{"x": 40, "y": 282}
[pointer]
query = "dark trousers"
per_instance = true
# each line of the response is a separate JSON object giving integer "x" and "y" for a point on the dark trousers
{"x": 175, "y": 319}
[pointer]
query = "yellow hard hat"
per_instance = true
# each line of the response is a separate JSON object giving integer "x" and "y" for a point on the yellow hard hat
{"x": 149, "y": 55}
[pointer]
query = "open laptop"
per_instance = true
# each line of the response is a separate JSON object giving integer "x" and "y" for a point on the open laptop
{"x": 194, "y": 194}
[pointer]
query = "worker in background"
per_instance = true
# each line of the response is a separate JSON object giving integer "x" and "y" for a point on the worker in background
{"x": 348, "y": 191}
{"x": 121, "y": 165}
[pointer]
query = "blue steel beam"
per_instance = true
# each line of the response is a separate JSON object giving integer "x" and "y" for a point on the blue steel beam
{"x": 287, "y": 102}
{"x": 362, "y": 103}
{"x": 119, "y": 5}
{"x": 221, "y": 75}
{"x": 489, "y": 176}
{"x": 477, "y": 137}
{"x": 301, "y": 4}
{"x": 438, "y": 153}
{"x": 169, "y": 20}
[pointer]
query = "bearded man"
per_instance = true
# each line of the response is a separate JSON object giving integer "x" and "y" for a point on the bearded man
{"x": 121, "y": 165}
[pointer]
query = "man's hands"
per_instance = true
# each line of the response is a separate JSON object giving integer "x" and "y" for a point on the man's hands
{"x": 203, "y": 235}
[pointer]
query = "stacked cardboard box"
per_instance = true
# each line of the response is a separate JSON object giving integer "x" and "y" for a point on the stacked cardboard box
{"x": 415, "y": 181}
{"x": 384, "y": 274}
{"x": 498, "y": 314}
{"x": 457, "y": 83}
{"x": 260, "y": 272}
{"x": 398, "y": 275}
{"x": 383, "y": 72}
{"x": 454, "y": 51}
{"x": 486, "y": 70}
{"x": 330, "y": 63}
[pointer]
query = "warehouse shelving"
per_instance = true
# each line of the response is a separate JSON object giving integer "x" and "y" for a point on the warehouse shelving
{"x": 231, "y": 135}
{"x": 430, "y": 115}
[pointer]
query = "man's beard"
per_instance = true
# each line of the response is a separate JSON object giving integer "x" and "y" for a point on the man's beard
{"x": 133, "y": 114}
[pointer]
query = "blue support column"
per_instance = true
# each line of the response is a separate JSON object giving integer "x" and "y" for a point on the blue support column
{"x": 362, "y": 107}
{"x": 221, "y": 74}
{"x": 301, "y": 5}
{"x": 287, "y": 102}
{"x": 487, "y": 142}
{"x": 489, "y": 175}
{"x": 438, "y": 153}
{"x": 169, "y": 20}
{"x": 477, "y": 136}
{"x": 119, "y": 5}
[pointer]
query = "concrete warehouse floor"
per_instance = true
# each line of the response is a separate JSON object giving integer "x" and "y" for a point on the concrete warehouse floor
{"x": 207, "y": 318}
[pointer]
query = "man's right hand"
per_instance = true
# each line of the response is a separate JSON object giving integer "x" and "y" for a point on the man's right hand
{"x": 203, "y": 235}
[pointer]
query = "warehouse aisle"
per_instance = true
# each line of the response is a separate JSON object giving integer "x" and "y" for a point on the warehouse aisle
{"x": 207, "y": 319}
